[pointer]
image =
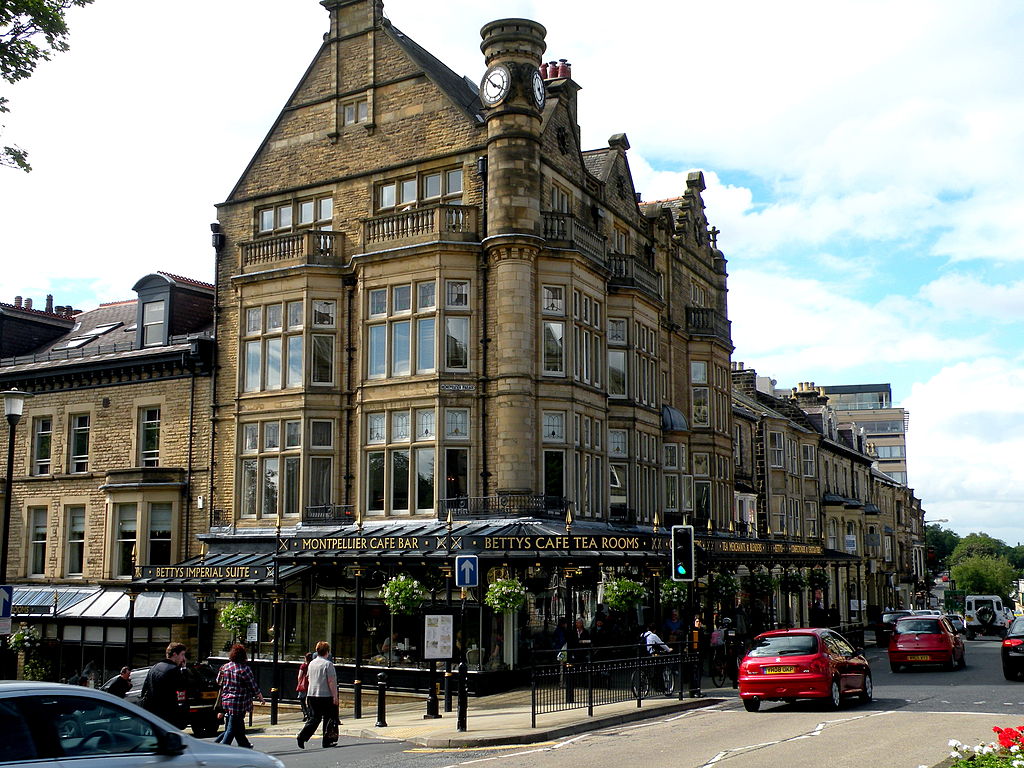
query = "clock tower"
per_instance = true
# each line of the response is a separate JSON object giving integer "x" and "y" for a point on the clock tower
{"x": 512, "y": 94}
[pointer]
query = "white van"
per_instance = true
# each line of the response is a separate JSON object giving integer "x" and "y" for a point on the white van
{"x": 986, "y": 615}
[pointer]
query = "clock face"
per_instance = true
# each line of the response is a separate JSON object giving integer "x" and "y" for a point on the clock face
{"x": 494, "y": 87}
{"x": 538, "y": 90}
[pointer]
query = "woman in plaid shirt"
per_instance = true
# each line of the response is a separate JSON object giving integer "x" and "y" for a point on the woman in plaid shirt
{"x": 237, "y": 690}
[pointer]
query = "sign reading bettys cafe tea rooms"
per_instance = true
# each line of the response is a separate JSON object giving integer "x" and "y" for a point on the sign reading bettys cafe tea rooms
{"x": 483, "y": 543}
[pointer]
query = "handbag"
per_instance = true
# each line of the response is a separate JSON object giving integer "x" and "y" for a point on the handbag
{"x": 218, "y": 705}
{"x": 331, "y": 729}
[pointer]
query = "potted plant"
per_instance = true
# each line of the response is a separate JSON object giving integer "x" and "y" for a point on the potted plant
{"x": 505, "y": 595}
{"x": 792, "y": 582}
{"x": 402, "y": 594}
{"x": 236, "y": 618}
{"x": 621, "y": 594}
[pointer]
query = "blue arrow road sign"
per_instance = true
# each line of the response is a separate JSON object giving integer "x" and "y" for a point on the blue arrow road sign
{"x": 6, "y": 601}
{"x": 467, "y": 570}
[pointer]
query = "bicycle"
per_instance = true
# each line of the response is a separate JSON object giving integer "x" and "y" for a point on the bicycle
{"x": 642, "y": 681}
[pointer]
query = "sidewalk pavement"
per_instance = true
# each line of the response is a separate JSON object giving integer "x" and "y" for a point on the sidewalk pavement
{"x": 495, "y": 720}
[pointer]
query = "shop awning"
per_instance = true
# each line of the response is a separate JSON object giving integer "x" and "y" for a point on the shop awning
{"x": 507, "y": 539}
{"x": 48, "y": 601}
{"x": 224, "y": 570}
{"x": 115, "y": 604}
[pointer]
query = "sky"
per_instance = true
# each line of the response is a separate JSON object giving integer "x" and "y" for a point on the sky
{"x": 863, "y": 162}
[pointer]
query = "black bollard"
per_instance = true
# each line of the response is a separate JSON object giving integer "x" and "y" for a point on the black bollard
{"x": 357, "y": 699}
{"x": 460, "y": 718}
{"x": 432, "y": 701}
{"x": 382, "y": 694}
{"x": 273, "y": 706}
{"x": 448, "y": 674}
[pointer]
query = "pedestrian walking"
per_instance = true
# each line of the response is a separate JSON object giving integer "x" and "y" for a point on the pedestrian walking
{"x": 238, "y": 688}
{"x": 164, "y": 692}
{"x": 302, "y": 684}
{"x": 321, "y": 698}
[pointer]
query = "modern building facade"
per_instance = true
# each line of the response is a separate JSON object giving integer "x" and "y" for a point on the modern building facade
{"x": 870, "y": 408}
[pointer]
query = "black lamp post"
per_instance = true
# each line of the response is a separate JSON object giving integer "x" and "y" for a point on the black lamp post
{"x": 14, "y": 404}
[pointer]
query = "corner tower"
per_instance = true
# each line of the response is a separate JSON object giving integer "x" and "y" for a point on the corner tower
{"x": 512, "y": 93}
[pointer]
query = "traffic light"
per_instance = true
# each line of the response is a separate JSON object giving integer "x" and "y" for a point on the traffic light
{"x": 682, "y": 553}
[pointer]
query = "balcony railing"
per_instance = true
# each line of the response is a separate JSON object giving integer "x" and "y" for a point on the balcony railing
{"x": 329, "y": 514}
{"x": 564, "y": 228}
{"x": 503, "y": 505}
{"x": 701, "y": 321}
{"x": 313, "y": 248}
{"x": 427, "y": 224}
{"x": 630, "y": 273}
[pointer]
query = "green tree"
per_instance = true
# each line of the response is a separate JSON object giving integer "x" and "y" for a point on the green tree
{"x": 942, "y": 542}
{"x": 979, "y": 545}
{"x": 31, "y": 31}
{"x": 983, "y": 575}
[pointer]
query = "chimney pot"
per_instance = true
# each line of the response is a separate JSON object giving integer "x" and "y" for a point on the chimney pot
{"x": 28, "y": 303}
{"x": 17, "y": 301}
{"x": 544, "y": 70}
{"x": 49, "y": 303}
{"x": 563, "y": 68}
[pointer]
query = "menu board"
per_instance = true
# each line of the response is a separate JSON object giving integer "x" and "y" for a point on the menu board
{"x": 438, "y": 636}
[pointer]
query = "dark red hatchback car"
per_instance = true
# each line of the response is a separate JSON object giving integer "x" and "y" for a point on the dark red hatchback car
{"x": 789, "y": 664}
{"x": 926, "y": 640}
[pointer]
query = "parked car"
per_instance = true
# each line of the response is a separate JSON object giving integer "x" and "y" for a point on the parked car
{"x": 200, "y": 694}
{"x": 926, "y": 612}
{"x": 986, "y": 615}
{"x": 958, "y": 623}
{"x": 46, "y": 725}
{"x": 1013, "y": 650}
{"x": 883, "y": 630}
{"x": 790, "y": 664}
{"x": 926, "y": 640}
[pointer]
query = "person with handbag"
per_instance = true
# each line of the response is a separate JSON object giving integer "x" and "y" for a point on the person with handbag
{"x": 301, "y": 685}
{"x": 238, "y": 688}
{"x": 321, "y": 697}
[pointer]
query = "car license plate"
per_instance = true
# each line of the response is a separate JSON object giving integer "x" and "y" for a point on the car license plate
{"x": 785, "y": 670}
{"x": 208, "y": 695}
{"x": 919, "y": 657}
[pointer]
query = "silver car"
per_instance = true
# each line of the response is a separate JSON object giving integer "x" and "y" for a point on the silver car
{"x": 53, "y": 725}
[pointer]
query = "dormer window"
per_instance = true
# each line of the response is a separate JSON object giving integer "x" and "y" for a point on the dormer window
{"x": 153, "y": 323}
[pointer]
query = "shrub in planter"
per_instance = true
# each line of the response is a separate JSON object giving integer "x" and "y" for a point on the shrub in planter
{"x": 505, "y": 595}
{"x": 402, "y": 594}
{"x": 792, "y": 582}
{"x": 621, "y": 594}
{"x": 759, "y": 583}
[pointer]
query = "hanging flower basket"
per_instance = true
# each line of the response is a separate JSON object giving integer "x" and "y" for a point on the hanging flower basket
{"x": 402, "y": 594}
{"x": 792, "y": 582}
{"x": 759, "y": 583}
{"x": 674, "y": 592}
{"x": 621, "y": 594}
{"x": 505, "y": 595}
{"x": 236, "y": 618}
{"x": 25, "y": 639}
{"x": 722, "y": 587}
{"x": 817, "y": 579}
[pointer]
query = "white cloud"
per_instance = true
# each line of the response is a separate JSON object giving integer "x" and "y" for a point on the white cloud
{"x": 964, "y": 445}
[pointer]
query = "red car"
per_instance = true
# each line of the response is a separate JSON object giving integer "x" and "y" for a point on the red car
{"x": 926, "y": 640}
{"x": 789, "y": 664}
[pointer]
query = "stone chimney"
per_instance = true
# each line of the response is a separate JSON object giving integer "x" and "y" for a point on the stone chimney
{"x": 807, "y": 395}
{"x": 49, "y": 303}
{"x": 28, "y": 303}
{"x": 744, "y": 379}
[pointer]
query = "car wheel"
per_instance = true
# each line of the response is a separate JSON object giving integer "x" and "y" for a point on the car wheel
{"x": 970, "y": 635}
{"x": 963, "y": 660}
{"x": 1008, "y": 673}
{"x": 869, "y": 689}
{"x": 834, "y": 697}
{"x": 752, "y": 704}
{"x": 205, "y": 727}
{"x": 894, "y": 667}
{"x": 950, "y": 665}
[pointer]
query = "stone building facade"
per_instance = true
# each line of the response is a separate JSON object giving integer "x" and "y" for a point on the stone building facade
{"x": 111, "y": 467}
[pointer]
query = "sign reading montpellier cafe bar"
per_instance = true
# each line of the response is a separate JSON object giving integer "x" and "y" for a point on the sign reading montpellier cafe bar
{"x": 583, "y": 542}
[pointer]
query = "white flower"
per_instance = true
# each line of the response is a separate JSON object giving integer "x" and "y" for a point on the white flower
{"x": 955, "y": 743}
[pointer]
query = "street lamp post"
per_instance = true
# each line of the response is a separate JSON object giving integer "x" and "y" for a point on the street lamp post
{"x": 14, "y": 404}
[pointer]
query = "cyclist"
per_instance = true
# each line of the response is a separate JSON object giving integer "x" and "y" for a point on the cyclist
{"x": 656, "y": 646}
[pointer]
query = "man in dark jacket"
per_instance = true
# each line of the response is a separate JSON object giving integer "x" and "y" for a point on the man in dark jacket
{"x": 164, "y": 692}
{"x": 120, "y": 683}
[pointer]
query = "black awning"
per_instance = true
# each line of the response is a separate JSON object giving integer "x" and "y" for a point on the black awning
{"x": 518, "y": 538}
{"x": 227, "y": 570}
